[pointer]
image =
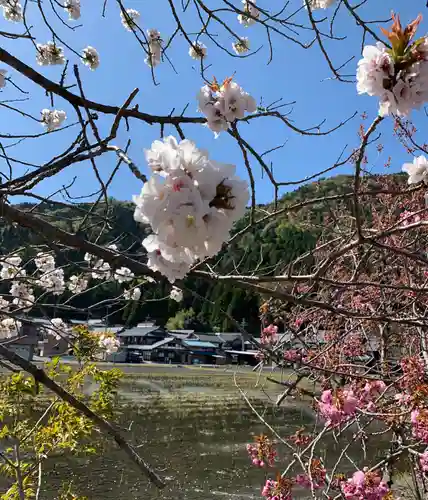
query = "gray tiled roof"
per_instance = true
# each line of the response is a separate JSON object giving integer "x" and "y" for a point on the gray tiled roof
{"x": 150, "y": 347}
{"x": 228, "y": 337}
{"x": 111, "y": 329}
{"x": 206, "y": 337}
{"x": 138, "y": 331}
{"x": 186, "y": 332}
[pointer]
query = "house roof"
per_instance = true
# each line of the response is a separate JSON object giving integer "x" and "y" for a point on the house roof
{"x": 206, "y": 337}
{"x": 181, "y": 336}
{"x": 110, "y": 329}
{"x": 244, "y": 353}
{"x": 37, "y": 321}
{"x": 228, "y": 337}
{"x": 186, "y": 332}
{"x": 160, "y": 343}
{"x": 18, "y": 340}
{"x": 138, "y": 331}
{"x": 198, "y": 343}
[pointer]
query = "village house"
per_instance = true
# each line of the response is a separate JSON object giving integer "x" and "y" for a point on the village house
{"x": 29, "y": 339}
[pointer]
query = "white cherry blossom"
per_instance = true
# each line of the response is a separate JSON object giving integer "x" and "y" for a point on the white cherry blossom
{"x": 134, "y": 294}
{"x": 9, "y": 327}
{"x": 91, "y": 58}
{"x": 44, "y": 262}
{"x": 73, "y": 9}
{"x": 251, "y": 10}
{"x": 101, "y": 270}
{"x": 4, "y": 305}
{"x": 49, "y": 54}
{"x": 77, "y": 284}
{"x": 235, "y": 102}
{"x": 174, "y": 263}
{"x": 154, "y": 49}
{"x": 319, "y": 4}
{"x": 417, "y": 171}
{"x": 223, "y": 104}
{"x": 23, "y": 296}
{"x": 398, "y": 91}
{"x": 109, "y": 343}
{"x": 176, "y": 294}
{"x": 12, "y": 11}
{"x": 52, "y": 119}
{"x": 190, "y": 202}
{"x": 374, "y": 69}
{"x": 123, "y": 275}
{"x": 241, "y": 46}
{"x": 129, "y": 18}
{"x": 58, "y": 329}
{"x": 52, "y": 281}
{"x": 198, "y": 50}
{"x": 10, "y": 267}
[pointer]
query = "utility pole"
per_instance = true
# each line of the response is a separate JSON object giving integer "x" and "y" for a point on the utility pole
{"x": 244, "y": 324}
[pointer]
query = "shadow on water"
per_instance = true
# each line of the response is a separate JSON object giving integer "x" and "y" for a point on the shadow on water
{"x": 196, "y": 441}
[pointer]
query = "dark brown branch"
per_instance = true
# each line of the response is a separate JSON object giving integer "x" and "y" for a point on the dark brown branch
{"x": 76, "y": 100}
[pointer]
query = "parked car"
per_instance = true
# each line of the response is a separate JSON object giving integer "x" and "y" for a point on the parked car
{"x": 135, "y": 357}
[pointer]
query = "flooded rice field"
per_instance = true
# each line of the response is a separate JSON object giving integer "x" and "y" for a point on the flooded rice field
{"x": 193, "y": 429}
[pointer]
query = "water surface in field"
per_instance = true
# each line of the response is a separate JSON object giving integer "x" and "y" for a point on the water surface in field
{"x": 194, "y": 432}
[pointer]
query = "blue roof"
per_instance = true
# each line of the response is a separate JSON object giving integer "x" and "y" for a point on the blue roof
{"x": 198, "y": 343}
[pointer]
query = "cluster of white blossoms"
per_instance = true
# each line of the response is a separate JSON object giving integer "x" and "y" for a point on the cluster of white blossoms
{"x": 176, "y": 294}
{"x": 101, "y": 270}
{"x": 51, "y": 278}
{"x": 9, "y": 327}
{"x": 53, "y": 281}
{"x": 49, "y": 54}
{"x": 417, "y": 171}
{"x": 223, "y": 104}
{"x": 241, "y": 46}
{"x": 198, "y": 50}
{"x": 155, "y": 48}
{"x": 91, "y": 58}
{"x": 52, "y": 119}
{"x": 318, "y": 4}
{"x": 3, "y": 73}
{"x": 251, "y": 11}
{"x": 23, "y": 295}
{"x": 45, "y": 262}
{"x": 397, "y": 76}
{"x": 123, "y": 275}
{"x": 190, "y": 202}
{"x": 129, "y": 18}
{"x": 134, "y": 294}
{"x": 77, "y": 284}
{"x": 73, "y": 9}
{"x": 154, "y": 41}
{"x": 11, "y": 268}
{"x": 12, "y": 10}
{"x": 58, "y": 328}
{"x": 4, "y": 305}
{"x": 109, "y": 343}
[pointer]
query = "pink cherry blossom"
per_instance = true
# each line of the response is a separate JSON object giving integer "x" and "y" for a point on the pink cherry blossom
{"x": 364, "y": 485}
{"x": 423, "y": 460}
{"x": 419, "y": 421}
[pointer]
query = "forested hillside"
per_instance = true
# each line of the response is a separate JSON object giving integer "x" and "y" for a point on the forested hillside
{"x": 262, "y": 248}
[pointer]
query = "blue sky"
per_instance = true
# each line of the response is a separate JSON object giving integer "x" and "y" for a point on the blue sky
{"x": 294, "y": 75}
